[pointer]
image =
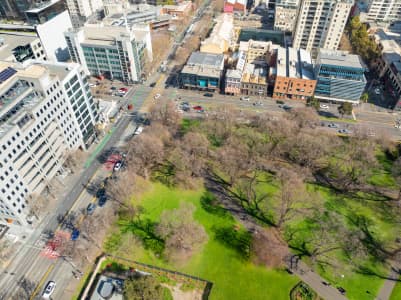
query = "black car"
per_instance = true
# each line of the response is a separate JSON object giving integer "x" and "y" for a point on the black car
{"x": 90, "y": 209}
{"x": 102, "y": 200}
{"x": 208, "y": 95}
{"x": 100, "y": 192}
{"x": 153, "y": 84}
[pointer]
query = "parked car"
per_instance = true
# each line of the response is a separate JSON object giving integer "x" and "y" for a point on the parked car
{"x": 286, "y": 107}
{"x": 197, "y": 107}
{"x": 208, "y": 95}
{"x": 102, "y": 200}
{"x": 377, "y": 91}
{"x": 332, "y": 125}
{"x": 92, "y": 85}
{"x": 157, "y": 96}
{"x": 90, "y": 209}
{"x": 117, "y": 166}
{"x": 49, "y": 289}
{"x": 138, "y": 130}
{"x": 75, "y": 234}
{"x": 245, "y": 98}
{"x": 324, "y": 106}
{"x": 343, "y": 131}
{"x": 123, "y": 89}
{"x": 153, "y": 84}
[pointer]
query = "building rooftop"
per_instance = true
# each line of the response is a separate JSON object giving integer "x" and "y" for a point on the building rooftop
{"x": 108, "y": 288}
{"x": 42, "y": 6}
{"x": 9, "y": 41}
{"x": 294, "y": 63}
{"x": 254, "y": 74}
{"x": 209, "y": 60}
{"x": 233, "y": 73}
{"x": 340, "y": 58}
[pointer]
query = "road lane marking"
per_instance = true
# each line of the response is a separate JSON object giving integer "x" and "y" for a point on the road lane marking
{"x": 42, "y": 280}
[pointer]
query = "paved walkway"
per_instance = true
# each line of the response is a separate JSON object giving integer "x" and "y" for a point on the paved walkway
{"x": 389, "y": 284}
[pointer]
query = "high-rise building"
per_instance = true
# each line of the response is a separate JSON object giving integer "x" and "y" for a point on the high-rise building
{"x": 46, "y": 109}
{"x": 19, "y": 47}
{"x": 384, "y": 10}
{"x": 81, "y": 10}
{"x": 340, "y": 76}
{"x": 320, "y": 24}
{"x": 285, "y": 15}
{"x": 115, "y": 52}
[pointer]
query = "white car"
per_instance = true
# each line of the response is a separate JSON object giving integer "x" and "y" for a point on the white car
{"x": 157, "y": 96}
{"x": 49, "y": 289}
{"x": 92, "y": 85}
{"x": 118, "y": 166}
{"x": 324, "y": 106}
{"x": 377, "y": 91}
{"x": 245, "y": 98}
{"x": 138, "y": 130}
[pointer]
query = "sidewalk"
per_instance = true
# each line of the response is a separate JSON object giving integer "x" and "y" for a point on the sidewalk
{"x": 389, "y": 284}
{"x": 316, "y": 283}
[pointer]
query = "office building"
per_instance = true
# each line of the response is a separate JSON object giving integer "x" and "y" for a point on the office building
{"x": 15, "y": 9}
{"x": 111, "y": 51}
{"x": 82, "y": 10}
{"x": 340, "y": 76}
{"x": 203, "y": 71}
{"x": 44, "y": 11}
{"x": 383, "y": 10}
{"x": 320, "y": 24}
{"x": 233, "y": 76}
{"x": 293, "y": 74}
{"x": 18, "y": 47}
{"x": 46, "y": 109}
{"x": 257, "y": 52}
{"x": 254, "y": 80}
{"x": 285, "y": 15}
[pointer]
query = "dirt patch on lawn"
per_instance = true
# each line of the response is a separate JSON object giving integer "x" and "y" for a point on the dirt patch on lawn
{"x": 179, "y": 294}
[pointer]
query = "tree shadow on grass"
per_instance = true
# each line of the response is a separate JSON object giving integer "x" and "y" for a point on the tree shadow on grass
{"x": 237, "y": 239}
{"x": 210, "y": 204}
{"x": 145, "y": 230}
{"x": 165, "y": 174}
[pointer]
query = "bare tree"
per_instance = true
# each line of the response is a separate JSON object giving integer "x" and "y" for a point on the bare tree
{"x": 166, "y": 113}
{"x": 74, "y": 160}
{"x": 182, "y": 234}
{"x": 37, "y": 204}
{"x": 292, "y": 192}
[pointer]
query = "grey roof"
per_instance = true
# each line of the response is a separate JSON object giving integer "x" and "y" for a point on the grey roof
{"x": 340, "y": 58}
{"x": 206, "y": 60}
{"x": 233, "y": 73}
{"x": 11, "y": 41}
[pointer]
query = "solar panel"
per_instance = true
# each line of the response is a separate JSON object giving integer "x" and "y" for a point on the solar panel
{"x": 7, "y": 73}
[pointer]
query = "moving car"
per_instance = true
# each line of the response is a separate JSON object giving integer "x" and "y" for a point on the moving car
{"x": 343, "y": 131}
{"x": 90, "y": 209}
{"x": 208, "y": 95}
{"x": 153, "y": 84}
{"x": 245, "y": 98}
{"x": 102, "y": 200}
{"x": 377, "y": 91}
{"x": 332, "y": 125}
{"x": 157, "y": 96}
{"x": 197, "y": 107}
{"x": 49, "y": 289}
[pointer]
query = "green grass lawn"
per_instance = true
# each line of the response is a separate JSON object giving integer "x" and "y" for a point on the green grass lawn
{"x": 396, "y": 294}
{"x": 232, "y": 277}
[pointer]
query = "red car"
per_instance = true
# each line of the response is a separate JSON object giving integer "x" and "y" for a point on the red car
{"x": 198, "y": 107}
{"x": 123, "y": 89}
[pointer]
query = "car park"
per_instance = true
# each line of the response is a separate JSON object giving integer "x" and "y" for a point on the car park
{"x": 90, "y": 209}
{"x": 117, "y": 166}
{"x": 75, "y": 234}
{"x": 49, "y": 289}
{"x": 324, "y": 106}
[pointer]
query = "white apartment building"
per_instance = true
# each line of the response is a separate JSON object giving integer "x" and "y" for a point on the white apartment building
{"x": 81, "y": 10}
{"x": 45, "y": 110}
{"x": 285, "y": 15}
{"x": 320, "y": 24}
{"x": 384, "y": 10}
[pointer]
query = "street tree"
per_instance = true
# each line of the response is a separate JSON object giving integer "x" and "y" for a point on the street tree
{"x": 345, "y": 109}
{"x": 313, "y": 102}
{"x": 38, "y": 204}
{"x": 182, "y": 234}
{"x": 365, "y": 97}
